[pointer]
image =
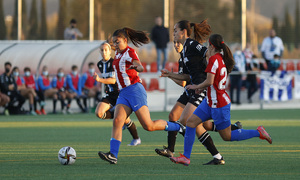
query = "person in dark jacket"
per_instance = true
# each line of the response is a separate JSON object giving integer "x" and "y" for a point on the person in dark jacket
{"x": 8, "y": 86}
{"x": 160, "y": 36}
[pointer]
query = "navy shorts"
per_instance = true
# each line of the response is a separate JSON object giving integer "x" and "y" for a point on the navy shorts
{"x": 133, "y": 96}
{"x": 221, "y": 116}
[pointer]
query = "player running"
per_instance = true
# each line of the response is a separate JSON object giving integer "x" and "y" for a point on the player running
{"x": 178, "y": 108}
{"x": 132, "y": 96}
{"x": 216, "y": 104}
{"x": 106, "y": 107}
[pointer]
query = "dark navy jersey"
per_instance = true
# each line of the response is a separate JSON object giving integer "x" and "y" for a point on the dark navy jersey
{"x": 107, "y": 71}
{"x": 194, "y": 59}
{"x": 182, "y": 68}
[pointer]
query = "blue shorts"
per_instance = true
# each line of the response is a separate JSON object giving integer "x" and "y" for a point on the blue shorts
{"x": 221, "y": 116}
{"x": 133, "y": 96}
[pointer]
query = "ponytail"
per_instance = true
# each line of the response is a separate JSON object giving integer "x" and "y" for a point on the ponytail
{"x": 138, "y": 38}
{"x": 217, "y": 42}
{"x": 201, "y": 30}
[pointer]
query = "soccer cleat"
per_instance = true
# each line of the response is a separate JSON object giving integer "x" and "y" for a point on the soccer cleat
{"x": 164, "y": 152}
{"x": 135, "y": 142}
{"x": 108, "y": 157}
{"x": 38, "y": 112}
{"x": 43, "y": 112}
{"x": 182, "y": 128}
{"x": 263, "y": 134}
{"x": 32, "y": 112}
{"x": 216, "y": 161}
{"x": 69, "y": 111}
{"x": 180, "y": 160}
{"x": 238, "y": 124}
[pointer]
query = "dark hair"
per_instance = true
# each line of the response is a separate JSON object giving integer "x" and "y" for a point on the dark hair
{"x": 254, "y": 56}
{"x": 137, "y": 38}
{"x": 216, "y": 40}
{"x": 7, "y": 63}
{"x": 73, "y": 21}
{"x": 16, "y": 67}
{"x": 91, "y": 64}
{"x": 27, "y": 69}
{"x": 276, "y": 56}
{"x": 201, "y": 30}
{"x": 74, "y": 67}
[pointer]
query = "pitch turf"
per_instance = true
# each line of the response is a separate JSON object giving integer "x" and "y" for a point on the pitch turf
{"x": 29, "y": 147}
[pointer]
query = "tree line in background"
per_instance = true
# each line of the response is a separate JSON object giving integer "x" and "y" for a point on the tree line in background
{"x": 113, "y": 14}
{"x": 289, "y": 30}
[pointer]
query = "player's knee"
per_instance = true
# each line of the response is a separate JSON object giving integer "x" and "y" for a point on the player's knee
{"x": 172, "y": 117}
{"x": 148, "y": 127}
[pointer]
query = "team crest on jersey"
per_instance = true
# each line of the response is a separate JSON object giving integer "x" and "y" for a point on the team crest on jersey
{"x": 199, "y": 47}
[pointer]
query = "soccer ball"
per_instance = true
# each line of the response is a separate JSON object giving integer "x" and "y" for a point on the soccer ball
{"x": 67, "y": 155}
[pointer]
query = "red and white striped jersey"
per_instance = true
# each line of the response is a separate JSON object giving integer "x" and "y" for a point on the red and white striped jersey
{"x": 121, "y": 64}
{"x": 216, "y": 94}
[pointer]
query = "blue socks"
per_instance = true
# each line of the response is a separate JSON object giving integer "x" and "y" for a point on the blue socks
{"x": 243, "y": 134}
{"x": 172, "y": 126}
{"x": 189, "y": 139}
{"x": 114, "y": 146}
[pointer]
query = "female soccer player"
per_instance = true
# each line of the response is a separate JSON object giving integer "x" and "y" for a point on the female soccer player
{"x": 105, "y": 109}
{"x": 132, "y": 95}
{"x": 179, "y": 107}
{"x": 194, "y": 55}
{"x": 216, "y": 105}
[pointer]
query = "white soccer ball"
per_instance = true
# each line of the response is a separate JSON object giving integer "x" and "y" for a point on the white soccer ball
{"x": 67, "y": 155}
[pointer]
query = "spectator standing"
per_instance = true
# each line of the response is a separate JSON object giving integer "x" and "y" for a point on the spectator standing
{"x": 270, "y": 46}
{"x": 236, "y": 77}
{"x": 72, "y": 33}
{"x": 252, "y": 86}
{"x": 160, "y": 37}
{"x": 9, "y": 87}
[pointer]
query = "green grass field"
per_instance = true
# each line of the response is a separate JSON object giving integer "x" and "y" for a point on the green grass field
{"x": 29, "y": 147}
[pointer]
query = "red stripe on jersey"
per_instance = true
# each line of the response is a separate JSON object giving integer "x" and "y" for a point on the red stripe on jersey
{"x": 121, "y": 64}
{"x": 216, "y": 94}
{"x": 29, "y": 81}
{"x": 60, "y": 82}
{"x": 19, "y": 81}
{"x": 90, "y": 81}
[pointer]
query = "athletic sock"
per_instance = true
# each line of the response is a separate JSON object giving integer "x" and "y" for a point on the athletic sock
{"x": 54, "y": 105}
{"x": 132, "y": 129}
{"x": 30, "y": 107}
{"x": 207, "y": 142}
{"x": 243, "y": 134}
{"x": 62, "y": 102}
{"x": 85, "y": 103}
{"x": 171, "y": 126}
{"x": 114, "y": 146}
{"x": 214, "y": 127}
{"x": 172, "y": 140}
{"x": 34, "y": 105}
{"x": 69, "y": 103}
{"x": 189, "y": 139}
{"x": 218, "y": 156}
{"x": 79, "y": 104}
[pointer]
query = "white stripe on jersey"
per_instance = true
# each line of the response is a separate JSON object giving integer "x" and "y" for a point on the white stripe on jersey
{"x": 117, "y": 79}
{"x": 213, "y": 95}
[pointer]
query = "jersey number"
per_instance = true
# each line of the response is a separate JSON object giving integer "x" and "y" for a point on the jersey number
{"x": 222, "y": 83}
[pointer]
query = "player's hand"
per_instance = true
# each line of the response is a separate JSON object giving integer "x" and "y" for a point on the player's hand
{"x": 164, "y": 73}
{"x": 198, "y": 91}
{"x": 133, "y": 67}
{"x": 192, "y": 87}
{"x": 96, "y": 77}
